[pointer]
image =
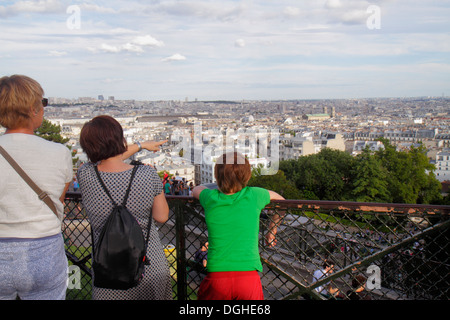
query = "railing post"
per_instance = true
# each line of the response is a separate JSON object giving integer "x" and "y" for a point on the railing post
{"x": 181, "y": 251}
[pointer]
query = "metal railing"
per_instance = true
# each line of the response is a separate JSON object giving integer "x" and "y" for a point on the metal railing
{"x": 389, "y": 251}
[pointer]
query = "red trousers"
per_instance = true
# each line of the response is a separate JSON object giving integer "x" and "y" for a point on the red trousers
{"x": 231, "y": 285}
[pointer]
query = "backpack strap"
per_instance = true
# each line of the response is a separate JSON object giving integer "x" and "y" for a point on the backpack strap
{"x": 42, "y": 194}
{"x": 149, "y": 224}
{"x": 106, "y": 189}
{"x": 129, "y": 186}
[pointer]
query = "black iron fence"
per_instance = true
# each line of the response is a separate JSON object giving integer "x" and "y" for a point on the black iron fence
{"x": 323, "y": 250}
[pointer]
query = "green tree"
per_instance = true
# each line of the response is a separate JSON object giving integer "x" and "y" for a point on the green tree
{"x": 427, "y": 187}
{"x": 410, "y": 177}
{"x": 276, "y": 182}
{"x": 326, "y": 175}
{"x": 370, "y": 179}
{"x": 50, "y": 132}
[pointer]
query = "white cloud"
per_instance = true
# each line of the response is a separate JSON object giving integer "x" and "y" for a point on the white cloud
{"x": 147, "y": 40}
{"x": 175, "y": 57}
{"x": 333, "y": 4}
{"x": 40, "y": 6}
{"x": 354, "y": 16}
{"x": 291, "y": 11}
{"x": 134, "y": 45}
{"x": 96, "y": 8}
{"x": 240, "y": 43}
{"x": 108, "y": 48}
{"x": 112, "y": 80}
{"x": 132, "y": 48}
{"x": 55, "y": 53}
{"x": 214, "y": 10}
{"x": 347, "y": 12}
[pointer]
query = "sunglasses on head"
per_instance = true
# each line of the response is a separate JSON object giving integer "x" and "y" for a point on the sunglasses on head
{"x": 45, "y": 102}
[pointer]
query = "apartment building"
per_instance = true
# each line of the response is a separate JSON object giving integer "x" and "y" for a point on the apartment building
{"x": 443, "y": 165}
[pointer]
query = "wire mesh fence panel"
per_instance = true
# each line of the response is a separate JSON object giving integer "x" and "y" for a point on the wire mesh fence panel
{"x": 309, "y": 249}
{"x": 357, "y": 251}
{"x": 77, "y": 237}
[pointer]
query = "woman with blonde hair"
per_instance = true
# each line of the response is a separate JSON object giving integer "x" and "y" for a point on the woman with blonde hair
{"x": 33, "y": 264}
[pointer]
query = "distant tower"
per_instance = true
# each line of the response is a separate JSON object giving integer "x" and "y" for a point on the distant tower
{"x": 333, "y": 112}
{"x": 325, "y": 110}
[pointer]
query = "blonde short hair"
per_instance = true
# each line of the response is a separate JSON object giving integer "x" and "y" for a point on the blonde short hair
{"x": 18, "y": 94}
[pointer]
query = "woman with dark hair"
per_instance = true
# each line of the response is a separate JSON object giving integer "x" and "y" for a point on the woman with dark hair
{"x": 33, "y": 263}
{"x": 232, "y": 215}
{"x": 103, "y": 141}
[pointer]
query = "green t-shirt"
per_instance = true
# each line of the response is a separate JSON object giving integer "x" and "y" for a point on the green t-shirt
{"x": 233, "y": 228}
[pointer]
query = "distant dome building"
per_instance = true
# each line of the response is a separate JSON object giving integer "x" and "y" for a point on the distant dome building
{"x": 288, "y": 121}
{"x": 249, "y": 118}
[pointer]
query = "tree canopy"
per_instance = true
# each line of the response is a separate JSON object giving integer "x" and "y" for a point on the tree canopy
{"x": 52, "y": 132}
{"x": 387, "y": 175}
{"x": 325, "y": 175}
{"x": 278, "y": 183}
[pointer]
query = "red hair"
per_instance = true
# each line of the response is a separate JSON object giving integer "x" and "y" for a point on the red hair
{"x": 232, "y": 172}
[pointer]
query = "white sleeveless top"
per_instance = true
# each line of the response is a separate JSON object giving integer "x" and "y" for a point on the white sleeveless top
{"x": 49, "y": 165}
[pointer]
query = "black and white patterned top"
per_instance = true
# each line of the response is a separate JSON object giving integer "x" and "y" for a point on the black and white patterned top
{"x": 156, "y": 284}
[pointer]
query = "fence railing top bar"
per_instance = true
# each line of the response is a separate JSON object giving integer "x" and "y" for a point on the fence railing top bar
{"x": 362, "y": 206}
{"x": 76, "y": 195}
{"x": 326, "y": 204}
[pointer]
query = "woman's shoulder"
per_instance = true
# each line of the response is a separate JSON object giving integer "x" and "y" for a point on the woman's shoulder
{"x": 85, "y": 168}
{"x": 259, "y": 194}
{"x": 33, "y": 142}
{"x": 48, "y": 145}
{"x": 257, "y": 190}
{"x": 147, "y": 172}
{"x": 147, "y": 169}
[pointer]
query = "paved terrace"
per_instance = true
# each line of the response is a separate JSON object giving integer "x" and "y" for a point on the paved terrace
{"x": 402, "y": 250}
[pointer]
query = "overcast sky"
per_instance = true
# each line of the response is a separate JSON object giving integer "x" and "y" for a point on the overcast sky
{"x": 223, "y": 49}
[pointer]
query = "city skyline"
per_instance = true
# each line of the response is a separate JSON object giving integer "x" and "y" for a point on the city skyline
{"x": 231, "y": 50}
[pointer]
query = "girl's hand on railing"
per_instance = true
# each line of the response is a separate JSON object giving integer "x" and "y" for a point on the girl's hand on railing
{"x": 271, "y": 240}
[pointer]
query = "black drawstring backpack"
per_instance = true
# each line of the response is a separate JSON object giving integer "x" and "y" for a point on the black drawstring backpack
{"x": 119, "y": 257}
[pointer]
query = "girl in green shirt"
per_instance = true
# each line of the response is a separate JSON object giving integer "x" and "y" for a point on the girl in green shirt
{"x": 232, "y": 214}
